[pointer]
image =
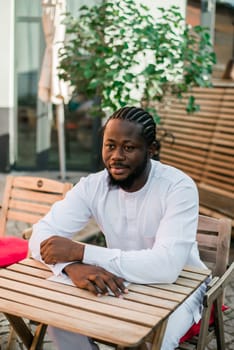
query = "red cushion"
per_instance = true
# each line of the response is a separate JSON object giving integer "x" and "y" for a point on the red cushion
{"x": 12, "y": 250}
{"x": 195, "y": 329}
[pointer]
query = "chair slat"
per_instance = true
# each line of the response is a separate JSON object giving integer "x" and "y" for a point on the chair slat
{"x": 208, "y": 256}
{"x": 207, "y": 241}
{"x": 23, "y": 217}
{"x": 28, "y": 195}
{"x": 40, "y": 184}
{"x": 23, "y": 206}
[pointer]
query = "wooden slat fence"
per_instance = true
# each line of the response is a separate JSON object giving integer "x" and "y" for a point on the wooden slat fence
{"x": 204, "y": 146}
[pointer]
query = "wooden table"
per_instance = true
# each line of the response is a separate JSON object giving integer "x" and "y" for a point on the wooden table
{"x": 25, "y": 292}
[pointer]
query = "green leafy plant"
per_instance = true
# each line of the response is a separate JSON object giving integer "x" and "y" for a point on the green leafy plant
{"x": 117, "y": 54}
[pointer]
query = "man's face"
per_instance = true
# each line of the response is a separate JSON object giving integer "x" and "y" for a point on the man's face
{"x": 125, "y": 154}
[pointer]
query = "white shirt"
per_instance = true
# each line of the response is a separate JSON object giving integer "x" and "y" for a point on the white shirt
{"x": 150, "y": 233}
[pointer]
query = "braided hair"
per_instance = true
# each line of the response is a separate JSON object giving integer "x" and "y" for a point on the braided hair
{"x": 139, "y": 116}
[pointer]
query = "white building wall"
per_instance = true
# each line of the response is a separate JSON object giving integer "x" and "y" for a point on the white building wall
{"x": 7, "y": 134}
{"x": 6, "y": 53}
{"x": 154, "y": 4}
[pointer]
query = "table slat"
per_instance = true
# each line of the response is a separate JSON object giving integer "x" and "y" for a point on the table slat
{"x": 148, "y": 290}
{"x": 43, "y": 298}
{"x": 109, "y": 330}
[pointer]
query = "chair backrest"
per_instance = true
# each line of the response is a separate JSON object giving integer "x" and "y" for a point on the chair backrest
{"x": 214, "y": 237}
{"x": 26, "y": 199}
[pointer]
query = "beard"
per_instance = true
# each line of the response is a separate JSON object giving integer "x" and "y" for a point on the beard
{"x": 131, "y": 178}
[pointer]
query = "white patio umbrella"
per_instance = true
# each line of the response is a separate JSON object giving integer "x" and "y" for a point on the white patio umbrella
{"x": 50, "y": 88}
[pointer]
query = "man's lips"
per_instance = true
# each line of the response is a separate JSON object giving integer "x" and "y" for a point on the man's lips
{"x": 118, "y": 169}
{"x": 118, "y": 166}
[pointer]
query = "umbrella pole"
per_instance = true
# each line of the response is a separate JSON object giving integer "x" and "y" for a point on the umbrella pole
{"x": 61, "y": 139}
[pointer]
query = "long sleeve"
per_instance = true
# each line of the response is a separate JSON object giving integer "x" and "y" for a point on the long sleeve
{"x": 65, "y": 218}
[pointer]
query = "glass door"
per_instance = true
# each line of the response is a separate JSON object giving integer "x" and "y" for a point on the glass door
{"x": 35, "y": 123}
{"x": 28, "y": 54}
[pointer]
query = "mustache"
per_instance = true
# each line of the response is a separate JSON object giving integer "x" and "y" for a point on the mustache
{"x": 118, "y": 165}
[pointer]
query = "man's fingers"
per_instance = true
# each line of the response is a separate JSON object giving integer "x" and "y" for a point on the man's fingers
{"x": 113, "y": 286}
{"x": 90, "y": 286}
{"x": 46, "y": 242}
{"x": 48, "y": 259}
{"x": 99, "y": 284}
{"x": 120, "y": 284}
{"x": 105, "y": 282}
{"x": 44, "y": 249}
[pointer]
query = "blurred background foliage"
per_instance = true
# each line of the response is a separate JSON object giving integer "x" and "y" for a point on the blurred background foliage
{"x": 118, "y": 54}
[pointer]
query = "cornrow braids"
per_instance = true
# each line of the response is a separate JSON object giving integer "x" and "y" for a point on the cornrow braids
{"x": 139, "y": 116}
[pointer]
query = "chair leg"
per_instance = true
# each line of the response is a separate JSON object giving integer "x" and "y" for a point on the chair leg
{"x": 12, "y": 338}
{"x": 32, "y": 341}
{"x": 38, "y": 337}
{"x": 21, "y": 329}
{"x": 204, "y": 328}
{"x": 219, "y": 326}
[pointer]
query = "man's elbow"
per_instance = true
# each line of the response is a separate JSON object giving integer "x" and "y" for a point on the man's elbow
{"x": 170, "y": 275}
{"x": 171, "y": 278}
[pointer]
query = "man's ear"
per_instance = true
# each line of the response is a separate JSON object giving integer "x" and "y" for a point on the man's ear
{"x": 154, "y": 148}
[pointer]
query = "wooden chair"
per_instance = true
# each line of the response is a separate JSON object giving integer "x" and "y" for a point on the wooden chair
{"x": 26, "y": 199}
{"x": 213, "y": 236}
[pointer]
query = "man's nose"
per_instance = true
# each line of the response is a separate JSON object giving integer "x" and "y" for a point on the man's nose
{"x": 118, "y": 153}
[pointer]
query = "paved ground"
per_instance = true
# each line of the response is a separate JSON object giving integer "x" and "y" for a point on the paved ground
{"x": 229, "y": 298}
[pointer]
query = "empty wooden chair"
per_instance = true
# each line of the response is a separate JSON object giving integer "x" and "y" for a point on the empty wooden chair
{"x": 214, "y": 237}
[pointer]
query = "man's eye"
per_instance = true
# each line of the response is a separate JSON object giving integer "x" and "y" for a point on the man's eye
{"x": 110, "y": 146}
{"x": 129, "y": 148}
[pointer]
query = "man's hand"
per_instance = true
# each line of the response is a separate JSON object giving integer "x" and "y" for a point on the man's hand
{"x": 95, "y": 279}
{"x": 58, "y": 249}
